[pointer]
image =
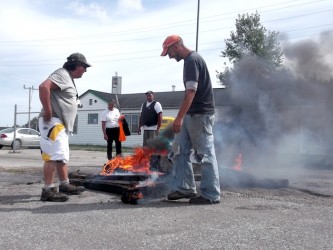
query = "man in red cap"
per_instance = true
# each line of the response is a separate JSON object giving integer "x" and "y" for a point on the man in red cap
{"x": 194, "y": 140}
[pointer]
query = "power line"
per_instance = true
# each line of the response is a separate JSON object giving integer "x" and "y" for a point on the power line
{"x": 152, "y": 28}
{"x": 154, "y": 56}
{"x": 18, "y": 63}
{"x": 6, "y": 63}
{"x": 139, "y": 52}
{"x": 155, "y": 37}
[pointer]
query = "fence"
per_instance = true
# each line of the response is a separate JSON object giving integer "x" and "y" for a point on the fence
{"x": 16, "y": 113}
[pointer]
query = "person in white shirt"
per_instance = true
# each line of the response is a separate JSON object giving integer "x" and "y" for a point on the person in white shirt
{"x": 150, "y": 118}
{"x": 110, "y": 128}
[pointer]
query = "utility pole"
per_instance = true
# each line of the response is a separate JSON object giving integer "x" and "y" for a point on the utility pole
{"x": 30, "y": 92}
{"x": 196, "y": 46}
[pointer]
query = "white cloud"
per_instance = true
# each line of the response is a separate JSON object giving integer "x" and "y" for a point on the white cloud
{"x": 127, "y": 7}
{"x": 91, "y": 10}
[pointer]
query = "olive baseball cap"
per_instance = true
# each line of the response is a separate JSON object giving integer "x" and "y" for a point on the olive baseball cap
{"x": 78, "y": 57}
{"x": 168, "y": 42}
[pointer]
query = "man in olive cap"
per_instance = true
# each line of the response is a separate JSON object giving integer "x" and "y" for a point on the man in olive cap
{"x": 59, "y": 98}
{"x": 193, "y": 126}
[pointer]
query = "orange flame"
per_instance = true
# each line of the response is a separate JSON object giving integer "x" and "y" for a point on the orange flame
{"x": 139, "y": 162}
{"x": 238, "y": 163}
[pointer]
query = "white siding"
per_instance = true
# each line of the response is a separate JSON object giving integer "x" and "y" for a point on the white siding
{"x": 91, "y": 134}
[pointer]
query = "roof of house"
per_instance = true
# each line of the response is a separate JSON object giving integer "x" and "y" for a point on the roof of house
{"x": 170, "y": 99}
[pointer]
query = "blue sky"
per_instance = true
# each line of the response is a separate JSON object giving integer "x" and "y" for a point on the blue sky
{"x": 126, "y": 36}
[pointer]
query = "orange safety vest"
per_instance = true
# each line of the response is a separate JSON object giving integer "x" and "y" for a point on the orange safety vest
{"x": 122, "y": 136}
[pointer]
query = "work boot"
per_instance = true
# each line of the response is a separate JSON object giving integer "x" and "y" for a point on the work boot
{"x": 200, "y": 200}
{"x": 53, "y": 195}
{"x": 71, "y": 189}
{"x": 178, "y": 195}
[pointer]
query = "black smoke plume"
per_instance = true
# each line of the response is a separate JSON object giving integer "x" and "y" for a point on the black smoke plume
{"x": 282, "y": 118}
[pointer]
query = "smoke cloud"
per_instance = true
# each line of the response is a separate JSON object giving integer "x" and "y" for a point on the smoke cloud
{"x": 281, "y": 119}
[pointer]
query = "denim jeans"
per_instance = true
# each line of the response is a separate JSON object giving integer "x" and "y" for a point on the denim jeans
{"x": 195, "y": 144}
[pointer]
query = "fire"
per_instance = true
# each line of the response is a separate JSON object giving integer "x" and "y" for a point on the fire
{"x": 139, "y": 162}
{"x": 238, "y": 163}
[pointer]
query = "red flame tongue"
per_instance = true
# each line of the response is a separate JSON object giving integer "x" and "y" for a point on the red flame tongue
{"x": 139, "y": 162}
{"x": 238, "y": 163}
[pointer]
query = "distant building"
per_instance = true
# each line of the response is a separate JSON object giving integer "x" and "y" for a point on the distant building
{"x": 88, "y": 128}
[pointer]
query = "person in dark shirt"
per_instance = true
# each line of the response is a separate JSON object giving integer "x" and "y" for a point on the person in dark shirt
{"x": 193, "y": 126}
{"x": 150, "y": 118}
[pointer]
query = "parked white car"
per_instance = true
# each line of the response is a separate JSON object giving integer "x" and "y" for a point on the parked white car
{"x": 25, "y": 137}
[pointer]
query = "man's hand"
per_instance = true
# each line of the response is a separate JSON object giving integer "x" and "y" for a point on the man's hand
{"x": 177, "y": 123}
{"x": 47, "y": 116}
{"x": 189, "y": 95}
{"x": 106, "y": 137}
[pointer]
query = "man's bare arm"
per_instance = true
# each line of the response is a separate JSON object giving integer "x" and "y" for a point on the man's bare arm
{"x": 45, "y": 97}
{"x": 188, "y": 98}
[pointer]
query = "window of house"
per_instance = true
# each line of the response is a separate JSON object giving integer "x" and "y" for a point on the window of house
{"x": 133, "y": 121}
{"x": 75, "y": 125}
{"x": 90, "y": 101}
{"x": 93, "y": 118}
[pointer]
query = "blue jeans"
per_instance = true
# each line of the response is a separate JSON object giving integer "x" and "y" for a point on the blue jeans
{"x": 195, "y": 144}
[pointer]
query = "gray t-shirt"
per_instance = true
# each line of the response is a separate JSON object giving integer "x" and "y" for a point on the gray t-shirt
{"x": 195, "y": 70}
{"x": 63, "y": 100}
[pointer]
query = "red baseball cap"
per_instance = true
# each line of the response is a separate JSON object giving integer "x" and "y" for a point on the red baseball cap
{"x": 168, "y": 42}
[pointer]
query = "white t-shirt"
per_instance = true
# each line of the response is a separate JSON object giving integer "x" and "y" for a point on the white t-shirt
{"x": 63, "y": 100}
{"x": 111, "y": 118}
{"x": 158, "y": 109}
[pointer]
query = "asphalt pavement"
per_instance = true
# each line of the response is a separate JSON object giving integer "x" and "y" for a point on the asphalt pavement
{"x": 297, "y": 217}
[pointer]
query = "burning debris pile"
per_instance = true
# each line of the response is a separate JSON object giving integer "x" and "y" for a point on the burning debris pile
{"x": 131, "y": 176}
{"x": 139, "y": 162}
{"x": 139, "y": 177}
{"x": 238, "y": 177}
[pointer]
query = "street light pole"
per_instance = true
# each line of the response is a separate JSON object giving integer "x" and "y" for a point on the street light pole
{"x": 30, "y": 90}
{"x": 196, "y": 46}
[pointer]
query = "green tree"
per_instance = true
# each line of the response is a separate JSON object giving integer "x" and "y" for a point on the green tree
{"x": 33, "y": 123}
{"x": 251, "y": 39}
